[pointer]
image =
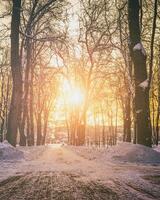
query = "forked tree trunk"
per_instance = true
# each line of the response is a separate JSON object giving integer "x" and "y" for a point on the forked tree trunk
{"x": 143, "y": 124}
{"x": 14, "y": 113}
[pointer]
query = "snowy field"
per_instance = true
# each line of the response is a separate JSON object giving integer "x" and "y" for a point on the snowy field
{"x": 125, "y": 171}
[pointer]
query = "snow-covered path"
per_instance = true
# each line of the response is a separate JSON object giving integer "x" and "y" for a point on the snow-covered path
{"x": 57, "y": 172}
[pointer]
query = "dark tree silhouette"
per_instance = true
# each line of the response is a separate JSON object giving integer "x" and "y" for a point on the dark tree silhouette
{"x": 138, "y": 54}
{"x": 14, "y": 113}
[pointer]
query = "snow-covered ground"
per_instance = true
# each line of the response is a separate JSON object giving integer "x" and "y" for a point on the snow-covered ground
{"x": 125, "y": 171}
{"x": 123, "y": 152}
{"x": 8, "y": 152}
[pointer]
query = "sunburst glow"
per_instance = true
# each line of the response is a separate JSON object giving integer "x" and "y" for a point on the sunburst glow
{"x": 73, "y": 94}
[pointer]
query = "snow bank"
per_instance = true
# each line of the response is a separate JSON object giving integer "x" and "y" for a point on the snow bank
{"x": 157, "y": 148}
{"x": 134, "y": 153}
{"x": 8, "y": 152}
{"x": 32, "y": 152}
{"x": 123, "y": 152}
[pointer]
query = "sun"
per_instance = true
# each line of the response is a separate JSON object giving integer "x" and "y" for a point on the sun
{"x": 74, "y": 95}
{"x": 77, "y": 97}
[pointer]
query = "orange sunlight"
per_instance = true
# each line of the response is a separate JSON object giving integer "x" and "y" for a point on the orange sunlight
{"x": 74, "y": 96}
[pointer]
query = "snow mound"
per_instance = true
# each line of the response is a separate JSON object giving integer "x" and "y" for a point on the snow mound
{"x": 122, "y": 152}
{"x": 128, "y": 152}
{"x": 32, "y": 152}
{"x": 157, "y": 148}
{"x": 8, "y": 152}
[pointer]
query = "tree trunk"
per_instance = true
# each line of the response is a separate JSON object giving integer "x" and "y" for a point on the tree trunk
{"x": 103, "y": 126}
{"x": 152, "y": 41}
{"x": 31, "y": 114}
{"x": 46, "y": 117}
{"x": 26, "y": 92}
{"x": 27, "y": 130}
{"x": 152, "y": 113}
{"x": 2, "y": 107}
{"x": 39, "y": 129}
{"x": 2, "y": 129}
{"x": 158, "y": 106}
{"x": 116, "y": 123}
{"x": 14, "y": 113}
{"x": 81, "y": 130}
{"x": 128, "y": 119}
{"x": 7, "y": 101}
{"x": 143, "y": 124}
